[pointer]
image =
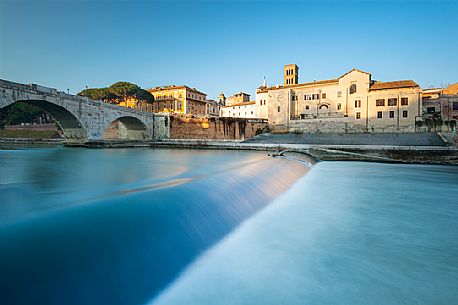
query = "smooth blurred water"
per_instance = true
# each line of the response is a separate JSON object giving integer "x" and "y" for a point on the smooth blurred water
{"x": 116, "y": 226}
{"x": 345, "y": 233}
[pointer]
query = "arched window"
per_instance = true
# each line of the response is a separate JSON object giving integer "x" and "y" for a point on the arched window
{"x": 324, "y": 106}
{"x": 352, "y": 88}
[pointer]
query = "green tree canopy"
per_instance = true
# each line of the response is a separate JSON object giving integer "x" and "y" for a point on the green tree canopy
{"x": 18, "y": 113}
{"x": 98, "y": 93}
{"x": 119, "y": 90}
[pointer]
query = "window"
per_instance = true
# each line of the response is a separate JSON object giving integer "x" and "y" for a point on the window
{"x": 339, "y": 106}
{"x": 339, "y": 93}
{"x": 380, "y": 102}
{"x": 404, "y": 101}
{"x": 279, "y": 109}
{"x": 307, "y": 107}
{"x": 455, "y": 106}
{"x": 358, "y": 115}
{"x": 357, "y": 103}
{"x": 404, "y": 113}
{"x": 251, "y": 112}
{"x": 352, "y": 88}
{"x": 431, "y": 109}
{"x": 323, "y": 95}
{"x": 324, "y": 106}
{"x": 391, "y": 114}
{"x": 379, "y": 115}
{"x": 392, "y": 102}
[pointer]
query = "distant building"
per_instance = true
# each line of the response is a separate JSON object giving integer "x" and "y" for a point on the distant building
{"x": 239, "y": 105}
{"x": 248, "y": 110}
{"x": 134, "y": 103}
{"x": 214, "y": 108}
{"x": 180, "y": 100}
{"x": 237, "y": 98}
{"x": 352, "y": 102}
{"x": 440, "y": 109}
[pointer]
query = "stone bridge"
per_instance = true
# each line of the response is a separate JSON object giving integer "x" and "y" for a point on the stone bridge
{"x": 84, "y": 120}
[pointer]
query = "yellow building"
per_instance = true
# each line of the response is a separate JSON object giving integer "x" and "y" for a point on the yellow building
{"x": 179, "y": 99}
{"x": 136, "y": 104}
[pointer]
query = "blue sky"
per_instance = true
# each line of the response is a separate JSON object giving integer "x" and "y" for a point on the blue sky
{"x": 230, "y": 46}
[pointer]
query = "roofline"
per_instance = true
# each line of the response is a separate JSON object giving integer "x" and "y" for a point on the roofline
{"x": 175, "y": 87}
{"x": 354, "y": 69}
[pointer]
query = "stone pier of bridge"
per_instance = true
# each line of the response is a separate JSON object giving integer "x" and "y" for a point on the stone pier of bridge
{"x": 84, "y": 120}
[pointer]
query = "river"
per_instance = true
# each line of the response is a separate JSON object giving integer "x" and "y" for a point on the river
{"x": 154, "y": 226}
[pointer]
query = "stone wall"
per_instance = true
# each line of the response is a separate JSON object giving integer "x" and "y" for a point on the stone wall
{"x": 339, "y": 125}
{"x": 214, "y": 128}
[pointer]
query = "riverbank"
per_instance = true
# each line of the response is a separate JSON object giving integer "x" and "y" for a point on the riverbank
{"x": 447, "y": 155}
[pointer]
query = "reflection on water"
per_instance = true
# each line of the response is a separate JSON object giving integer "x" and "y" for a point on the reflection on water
{"x": 116, "y": 226}
{"x": 346, "y": 233}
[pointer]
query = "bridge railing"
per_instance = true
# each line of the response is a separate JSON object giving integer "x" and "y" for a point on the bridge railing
{"x": 34, "y": 88}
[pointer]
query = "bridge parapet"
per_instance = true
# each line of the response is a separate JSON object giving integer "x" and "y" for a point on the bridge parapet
{"x": 82, "y": 118}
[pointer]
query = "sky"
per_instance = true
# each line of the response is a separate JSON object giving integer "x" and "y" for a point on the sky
{"x": 224, "y": 46}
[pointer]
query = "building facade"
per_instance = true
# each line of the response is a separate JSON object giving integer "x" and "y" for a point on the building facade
{"x": 440, "y": 109}
{"x": 240, "y": 106}
{"x": 248, "y": 110}
{"x": 213, "y": 108}
{"x": 180, "y": 100}
{"x": 237, "y": 98}
{"x": 352, "y": 102}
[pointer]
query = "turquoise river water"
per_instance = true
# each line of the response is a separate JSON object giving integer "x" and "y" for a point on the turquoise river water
{"x": 154, "y": 226}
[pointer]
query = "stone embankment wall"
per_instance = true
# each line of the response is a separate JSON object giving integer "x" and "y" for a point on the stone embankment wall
{"x": 392, "y": 139}
{"x": 215, "y": 128}
{"x": 340, "y": 125}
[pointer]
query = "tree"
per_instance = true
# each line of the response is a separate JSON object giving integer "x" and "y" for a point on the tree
{"x": 144, "y": 95}
{"x": 118, "y": 91}
{"x": 98, "y": 94}
{"x": 18, "y": 113}
{"x": 124, "y": 90}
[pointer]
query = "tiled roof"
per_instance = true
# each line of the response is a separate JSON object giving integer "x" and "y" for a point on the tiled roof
{"x": 452, "y": 89}
{"x": 394, "y": 85}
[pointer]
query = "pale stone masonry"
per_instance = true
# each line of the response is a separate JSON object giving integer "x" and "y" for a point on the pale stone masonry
{"x": 352, "y": 102}
{"x": 82, "y": 119}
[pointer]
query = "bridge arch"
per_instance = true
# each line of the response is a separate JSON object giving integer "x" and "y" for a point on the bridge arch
{"x": 67, "y": 121}
{"x": 126, "y": 128}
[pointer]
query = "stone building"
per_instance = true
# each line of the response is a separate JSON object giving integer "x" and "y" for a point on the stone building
{"x": 440, "y": 109}
{"x": 180, "y": 100}
{"x": 247, "y": 110}
{"x": 237, "y": 98}
{"x": 239, "y": 105}
{"x": 352, "y": 102}
{"x": 214, "y": 108}
{"x": 135, "y": 103}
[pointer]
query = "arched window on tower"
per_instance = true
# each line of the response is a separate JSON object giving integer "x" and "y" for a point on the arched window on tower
{"x": 352, "y": 88}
